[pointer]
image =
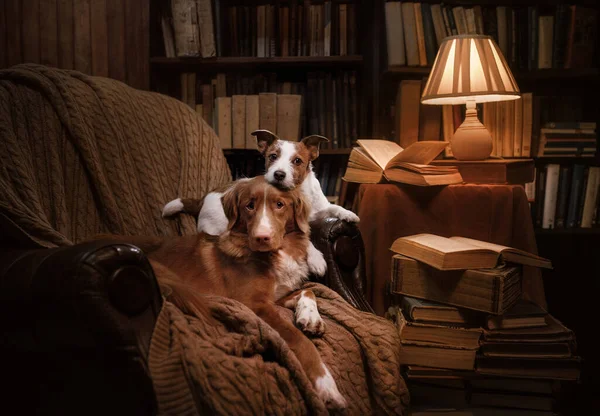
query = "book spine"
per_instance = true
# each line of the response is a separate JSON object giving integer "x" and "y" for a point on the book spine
{"x": 591, "y": 194}
{"x": 429, "y": 33}
{"x": 552, "y": 174}
{"x": 576, "y": 184}
{"x": 539, "y": 198}
{"x": 563, "y": 196}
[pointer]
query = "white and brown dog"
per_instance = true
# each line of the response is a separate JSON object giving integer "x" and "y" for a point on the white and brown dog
{"x": 288, "y": 166}
{"x": 267, "y": 230}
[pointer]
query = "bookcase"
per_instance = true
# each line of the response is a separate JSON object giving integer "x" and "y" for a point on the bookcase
{"x": 308, "y": 49}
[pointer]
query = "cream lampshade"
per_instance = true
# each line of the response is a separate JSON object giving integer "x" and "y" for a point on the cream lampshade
{"x": 470, "y": 69}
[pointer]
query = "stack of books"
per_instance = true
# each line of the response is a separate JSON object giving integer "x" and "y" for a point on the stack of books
{"x": 469, "y": 339}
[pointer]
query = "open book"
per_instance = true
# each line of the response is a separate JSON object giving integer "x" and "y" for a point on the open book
{"x": 459, "y": 253}
{"x": 375, "y": 161}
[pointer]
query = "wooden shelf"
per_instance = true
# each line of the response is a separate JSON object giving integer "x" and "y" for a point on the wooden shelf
{"x": 568, "y": 231}
{"x": 322, "y": 152}
{"x": 249, "y": 62}
{"x": 550, "y": 74}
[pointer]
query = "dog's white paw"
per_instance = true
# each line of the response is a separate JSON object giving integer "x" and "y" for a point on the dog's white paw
{"x": 316, "y": 262}
{"x": 172, "y": 208}
{"x": 342, "y": 213}
{"x": 328, "y": 391}
{"x": 307, "y": 315}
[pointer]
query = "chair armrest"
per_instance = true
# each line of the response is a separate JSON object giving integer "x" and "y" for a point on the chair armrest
{"x": 93, "y": 294}
{"x": 343, "y": 249}
{"x": 84, "y": 315}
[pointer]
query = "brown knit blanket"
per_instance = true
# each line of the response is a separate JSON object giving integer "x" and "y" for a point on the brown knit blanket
{"x": 231, "y": 363}
{"x": 82, "y": 155}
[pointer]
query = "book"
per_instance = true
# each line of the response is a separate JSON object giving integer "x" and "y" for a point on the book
{"x": 427, "y": 392}
{"x": 553, "y": 331}
{"x": 504, "y": 400}
{"x": 488, "y": 290}
{"x": 563, "y": 196}
{"x": 420, "y": 310}
{"x": 251, "y": 120}
{"x": 550, "y": 194}
{"x": 205, "y": 25}
{"x": 515, "y": 385}
{"x": 526, "y": 349}
{"x": 408, "y": 101}
{"x": 267, "y": 105}
{"x": 577, "y": 190}
{"x": 238, "y": 121}
{"x": 429, "y": 354}
{"x": 541, "y": 368}
{"x": 456, "y": 253}
{"x": 288, "y": 116}
{"x": 395, "y": 34}
{"x": 223, "y": 121}
{"x": 410, "y": 34}
{"x": 461, "y": 337}
{"x": 185, "y": 28}
{"x": 523, "y": 314}
{"x": 591, "y": 196}
{"x": 492, "y": 171}
{"x": 376, "y": 161}
{"x": 435, "y": 373}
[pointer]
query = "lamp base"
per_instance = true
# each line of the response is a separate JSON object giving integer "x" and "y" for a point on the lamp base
{"x": 471, "y": 141}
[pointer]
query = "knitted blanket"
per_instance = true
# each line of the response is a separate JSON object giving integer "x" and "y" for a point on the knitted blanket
{"x": 230, "y": 362}
{"x": 84, "y": 155}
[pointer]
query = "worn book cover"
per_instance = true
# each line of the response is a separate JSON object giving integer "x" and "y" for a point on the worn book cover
{"x": 488, "y": 290}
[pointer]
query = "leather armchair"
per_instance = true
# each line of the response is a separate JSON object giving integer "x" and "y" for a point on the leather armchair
{"x": 87, "y": 312}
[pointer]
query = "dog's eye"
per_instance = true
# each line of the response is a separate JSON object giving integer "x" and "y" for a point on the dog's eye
{"x": 298, "y": 161}
{"x": 272, "y": 157}
{"x": 280, "y": 204}
{"x": 250, "y": 206}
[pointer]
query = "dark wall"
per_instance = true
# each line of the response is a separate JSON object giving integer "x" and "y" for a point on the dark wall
{"x": 97, "y": 37}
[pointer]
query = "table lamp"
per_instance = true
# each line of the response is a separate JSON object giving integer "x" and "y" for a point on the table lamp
{"x": 470, "y": 69}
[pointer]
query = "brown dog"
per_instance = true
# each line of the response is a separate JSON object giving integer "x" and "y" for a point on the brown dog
{"x": 245, "y": 263}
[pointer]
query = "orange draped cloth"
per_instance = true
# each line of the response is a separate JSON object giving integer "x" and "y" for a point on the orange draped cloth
{"x": 496, "y": 213}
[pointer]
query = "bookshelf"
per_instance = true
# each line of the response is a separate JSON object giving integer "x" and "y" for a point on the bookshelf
{"x": 315, "y": 72}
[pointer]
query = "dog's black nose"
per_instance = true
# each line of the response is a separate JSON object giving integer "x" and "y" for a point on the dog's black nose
{"x": 279, "y": 175}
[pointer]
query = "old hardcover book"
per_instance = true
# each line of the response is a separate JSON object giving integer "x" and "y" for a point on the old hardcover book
{"x": 456, "y": 336}
{"x": 185, "y": 27}
{"x": 375, "y": 161}
{"x": 223, "y": 121}
{"x": 288, "y": 116}
{"x": 434, "y": 373}
{"x": 488, "y": 290}
{"x": 553, "y": 331}
{"x": 205, "y": 24}
{"x": 238, "y": 121}
{"x": 251, "y": 120}
{"x": 518, "y": 401}
{"x": 515, "y": 385}
{"x": 524, "y": 314}
{"x": 424, "y": 311}
{"x": 527, "y": 349}
{"x": 267, "y": 104}
{"x": 541, "y": 368}
{"x": 492, "y": 171}
{"x": 408, "y": 101}
{"x": 456, "y": 253}
{"x": 428, "y": 354}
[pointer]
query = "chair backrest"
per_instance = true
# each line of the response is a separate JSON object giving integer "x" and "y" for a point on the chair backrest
{"x": 86, "y": 155}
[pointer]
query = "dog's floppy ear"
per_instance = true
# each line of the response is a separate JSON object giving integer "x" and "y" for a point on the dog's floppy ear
{"x": 230, "y": 201}
{"x": 264, "y": 139}
{"x": 301, "y": 212}
{"x": 312, "y": 143}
